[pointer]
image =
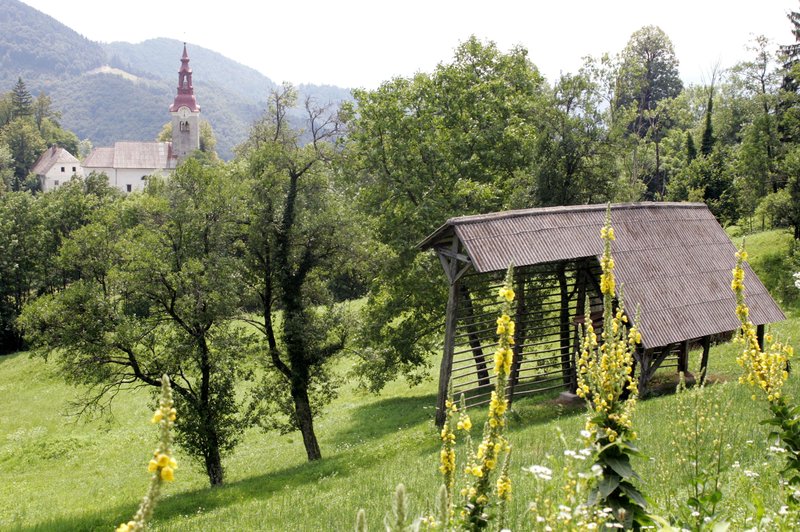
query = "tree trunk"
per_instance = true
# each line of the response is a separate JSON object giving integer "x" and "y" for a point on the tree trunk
{"x": 305, "y": 421}
{"x": 213, "y": 461}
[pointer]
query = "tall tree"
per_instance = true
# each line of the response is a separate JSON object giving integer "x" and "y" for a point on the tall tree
{"x": 154, "y": 297}
{"x": 22, "y": 248}
{"x": 21, "y": 100}
{"x": 648, "y": 74}
{"x": 691, "y": 150}
{"x": 758, "y": 81}
{"x": 707, "y": 142}
{"x": 571, "y": 158}
{"x": 25, "y": 144}
{"x": 792, "y": 169}
{"x": 647, "y": 80}
{"x": 423, "y": 149}
{"x": 299, "y": 231}
{"x": 43, "y": 110}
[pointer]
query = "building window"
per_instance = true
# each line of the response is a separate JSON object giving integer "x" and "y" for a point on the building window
{"x": 128, "y": 187}
{"x": 74, "y": 169}
{"x": 55, "y": 184}
{"x": 62, "y": 168}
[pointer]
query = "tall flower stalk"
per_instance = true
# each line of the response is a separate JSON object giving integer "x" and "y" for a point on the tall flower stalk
{"x": 605, "y": 380}
{"x": 162, "y": 465}
{"x": 767, "y": 372}
{"x": 481, "y": 466}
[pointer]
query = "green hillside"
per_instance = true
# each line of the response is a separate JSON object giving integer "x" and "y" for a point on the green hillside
{"x": 121, "y": 91}
{"x": 56, "y": 475}
{"x": 158, "y": 58}
{"x": 35, "y": 45}
{"x": 91, "y": 109}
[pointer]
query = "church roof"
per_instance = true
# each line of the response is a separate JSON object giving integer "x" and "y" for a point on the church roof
{"x": 146, "y": 155}
{"x": 100, "y": 158}
{"x": 54, "y": 155}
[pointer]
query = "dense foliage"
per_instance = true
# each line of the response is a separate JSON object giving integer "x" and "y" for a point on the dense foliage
{"x": 50, "y": 47}
{"x": 228, "y": 274}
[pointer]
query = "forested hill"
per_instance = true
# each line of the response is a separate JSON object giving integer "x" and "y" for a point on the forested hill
{"x": 121, "y": 91}
{"x": 33, "y": 44}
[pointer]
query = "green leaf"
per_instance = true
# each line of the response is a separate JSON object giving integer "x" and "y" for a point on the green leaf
{"x": 621, "y": 465}
{"x": 607, "y": 485}
{"x": 634, "y": 494}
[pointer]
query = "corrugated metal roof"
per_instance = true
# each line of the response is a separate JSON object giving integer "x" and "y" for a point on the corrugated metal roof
{"x": 144, "y": 155}
{"x": 51, "y": 157}
{"x": 673, "y": 260}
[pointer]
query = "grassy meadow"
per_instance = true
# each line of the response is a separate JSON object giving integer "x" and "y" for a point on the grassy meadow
{"x": 59, "y": 474}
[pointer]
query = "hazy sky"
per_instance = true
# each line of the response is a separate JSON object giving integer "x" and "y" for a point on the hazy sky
{"x": 354, "y": 43}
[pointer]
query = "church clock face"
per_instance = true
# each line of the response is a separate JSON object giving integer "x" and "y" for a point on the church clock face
{"x": 184, "y": 112}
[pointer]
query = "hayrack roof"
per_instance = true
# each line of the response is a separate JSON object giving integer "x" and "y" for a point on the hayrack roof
{"x": 673, "y": 260}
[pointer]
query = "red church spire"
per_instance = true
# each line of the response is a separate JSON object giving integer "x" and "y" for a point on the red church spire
{"x": 185, "y": 97}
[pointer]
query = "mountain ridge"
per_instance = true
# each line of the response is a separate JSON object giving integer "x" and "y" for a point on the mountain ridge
{"x": 109, "y": 92}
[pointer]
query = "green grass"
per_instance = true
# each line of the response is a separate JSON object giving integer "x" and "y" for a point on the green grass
{"x": 57, "y": 474}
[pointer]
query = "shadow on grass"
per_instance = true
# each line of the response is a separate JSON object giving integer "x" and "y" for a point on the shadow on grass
{"x": 379, "y": 418}
{"x": 368, "y": 423}
{"x": 8, "y": 357}
{"x": 181, "y": 505}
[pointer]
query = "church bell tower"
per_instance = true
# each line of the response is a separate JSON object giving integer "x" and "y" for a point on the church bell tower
{"x": 185, "y": 113}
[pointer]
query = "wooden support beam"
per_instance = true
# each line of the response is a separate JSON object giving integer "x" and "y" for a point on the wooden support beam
{"x": 449, "y": 333}
{"x": 519, "y": 333}
{"x": 704, "y": 359}
{"x": 683, "y": 357}
{"x": 473, "y": 336}
{"x": 760, "y": 336}
{"x": 644, "y": 357}
{"x": 564, "y": 324}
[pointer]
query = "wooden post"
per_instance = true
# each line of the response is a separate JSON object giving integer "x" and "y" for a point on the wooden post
{"x": 683, "y": 357}
{"x": 704, "y": 359}
{"x": 451, "y": 319}
{"x": 474, "y": 341}
{"x": 580, "y": 310}
{"x": 760, "y": 335}
{"x": 519, "y": 333}
{"x": 567, "y": 370}
{"x": 644, "y": 371}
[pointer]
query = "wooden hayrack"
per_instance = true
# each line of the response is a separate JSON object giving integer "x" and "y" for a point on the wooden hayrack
{"x": 673, "y": 259}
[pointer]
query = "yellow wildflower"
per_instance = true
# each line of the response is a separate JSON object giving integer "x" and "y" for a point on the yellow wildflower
{"x": 167, "y": 474}
{"x": 765, "y": 370}
{"x": 504, "y": 487}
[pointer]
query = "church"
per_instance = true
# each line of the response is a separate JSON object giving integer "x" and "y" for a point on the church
{"x": 128, "y": 163}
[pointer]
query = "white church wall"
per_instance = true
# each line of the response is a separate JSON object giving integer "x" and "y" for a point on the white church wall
{"x": 130, "y": 179}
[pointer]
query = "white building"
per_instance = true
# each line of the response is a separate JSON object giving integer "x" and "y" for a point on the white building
{"x": 55, "y": 167}
{"x": 127, "y": 164}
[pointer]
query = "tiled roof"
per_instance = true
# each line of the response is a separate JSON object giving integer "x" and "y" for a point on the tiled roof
{"x": 146, "y": 155}
{"x": 53, "y": 156}
{"x": 100, "y": 158}
{"x": 673, "y": 260}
